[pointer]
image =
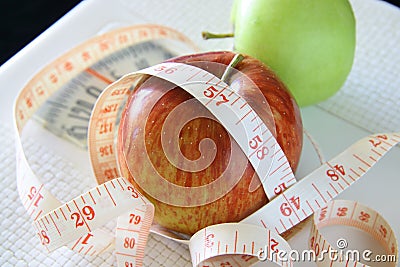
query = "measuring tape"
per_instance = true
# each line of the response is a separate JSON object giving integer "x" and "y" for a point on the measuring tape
{"x": 71, "y": 85}
{"x": 294, "y": 205}
{"x": 234, "y": 244}
{"x": 354, "y": 214}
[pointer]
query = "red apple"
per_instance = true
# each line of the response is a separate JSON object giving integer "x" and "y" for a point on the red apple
{"x": 141, "y": 152}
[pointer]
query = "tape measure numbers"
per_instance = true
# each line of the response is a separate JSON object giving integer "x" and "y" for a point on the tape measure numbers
{"x": 74, "y": 223}
{"x": 358, "y": 216}
{"x": 290, "y": 207}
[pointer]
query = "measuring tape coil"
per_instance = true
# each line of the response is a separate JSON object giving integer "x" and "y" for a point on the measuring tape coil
{"x": 90, "y": 210}
{"x": 33, "y": 195}
{"x": 282, "y": 203}
{"x": 359, "y": 216}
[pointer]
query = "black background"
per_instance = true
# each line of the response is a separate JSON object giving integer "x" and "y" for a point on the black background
{"x": 22, "y": 21}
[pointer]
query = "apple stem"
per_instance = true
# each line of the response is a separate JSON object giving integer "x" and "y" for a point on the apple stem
{"x": 235, "y": 60}
{"x": 209, "y": 35}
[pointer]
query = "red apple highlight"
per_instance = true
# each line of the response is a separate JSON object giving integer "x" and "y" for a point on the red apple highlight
{"x": 160, "y": 114}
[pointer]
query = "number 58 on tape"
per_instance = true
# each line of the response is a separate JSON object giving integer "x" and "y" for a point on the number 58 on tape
{"x": 76, "y": 222}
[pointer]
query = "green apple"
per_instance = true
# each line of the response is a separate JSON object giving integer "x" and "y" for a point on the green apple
{"x": 310, "y": 44}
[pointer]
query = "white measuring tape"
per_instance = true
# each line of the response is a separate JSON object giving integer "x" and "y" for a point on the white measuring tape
{"x": 75, "y": 223}
{"x": 234, "y": 244}
{"x": 349, "y": 213}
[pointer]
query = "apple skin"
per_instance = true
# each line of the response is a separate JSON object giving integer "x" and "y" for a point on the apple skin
{"x": 310, "y": 44}
{"x": 239, "y": 202}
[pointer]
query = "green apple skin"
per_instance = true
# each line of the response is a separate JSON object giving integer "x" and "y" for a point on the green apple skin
{"x": 310, "y": 44}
